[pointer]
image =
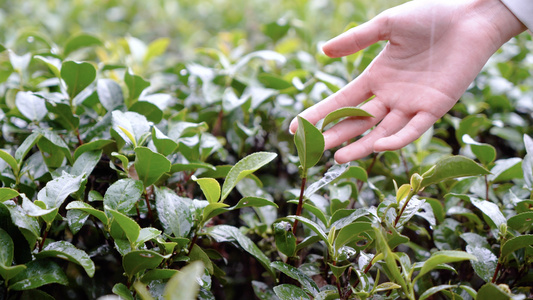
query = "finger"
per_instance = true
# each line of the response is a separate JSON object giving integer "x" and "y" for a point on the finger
{"x": 412, "y": 131}
{"x": 353, "y": 127}
{"x": 352, "y": 94}
{"x": 358, "y": 38}
{"x": 392, "y": 123}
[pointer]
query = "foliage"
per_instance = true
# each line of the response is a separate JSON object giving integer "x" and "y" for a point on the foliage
{"x": 126, "y": 170}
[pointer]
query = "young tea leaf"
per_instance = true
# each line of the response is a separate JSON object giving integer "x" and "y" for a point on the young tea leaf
{"x": 443, "y": 257}
{"x": 210, "y": 187}
{"x": 452, "y": 167}
{"x": 345, "y": 112}
{"x": 77, "y": 76}
{"x": 150, "y": 166}
{"x": 309, "y": 142}
{"x": 140, "y": 260}
{"x": 284, "y": 238}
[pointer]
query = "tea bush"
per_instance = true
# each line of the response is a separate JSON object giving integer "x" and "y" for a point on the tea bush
{"x": 144, "y": 161}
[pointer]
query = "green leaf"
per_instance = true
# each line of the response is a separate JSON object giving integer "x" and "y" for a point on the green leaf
{"x": 86, "y": 163}
{"x": 521, "y": 222}
{"x": 136, "y": 84}
{"x": 158, "y": 274}
{"x": 128, "y": 225}
{"x": 284, "y": 238}
{"x": 63, "y": 115}
{"x": 309, "y": 142}
{"x": 243, "y": 168}
{"x": 307, "y": 283}
{"x": 197, "y": 253}
{"x": 486, "y": 262}
{"x": 149, "y": 110}
{"x": 82, "y": 206}
{"x": 7, "y": 271}
{"x": 7, "y": 193}
{"x": 333, "y": 173}
{"x": 184, "y": 285}
{"x": 484, "y": 152}
{"x": 38, "y": 273}
{"x": 174, "y": 212}
{"x": 26, "y": 146}
{"x": 443, "y": 257}
{"x": 452, "y": 167}
{"x": 10, "y": 160}
{"x": 313, "y": 226}
{"x": 76, "y": 219}
{"x": 123, "y": 291}
{"x": 226, "y": 233}
{"x": 389, "y": 258}
{"x": 139, "y": 260}
{"x": 516, "y": 243}
{"x": 146, "y": 234}
{"x": 81, "y": 41}
{"x": 210, "y": 187}
{"x": 289, "y": 292}
{"x": 150, "y": 166}
{"x": 211, "y": 210}
{"x": 77, "y": 76}
{"x": 109, "y": 93}
{"x": 123, "y": 194}
{"x": 53, "y": 64}
{"x": 67, "y": 251}
{"x": 433, "y": 290}
{"x": 273, "y": 81}
{"x": 163, "y": 143}
{"x": 57, "y": 190}
{"x": 351, "y": 232}
{"x": 28, "y": 226}
{"x": 136, "y": 124}
{"x": 91, "y": 146}
{"x": 491, "y": 210}
{"x": 493, "y": 292}
{"x": 345, "y": 112}
{"x": 31, "y": 106}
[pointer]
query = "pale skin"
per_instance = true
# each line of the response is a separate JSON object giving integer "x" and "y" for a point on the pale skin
{"x": 435, "y": 49}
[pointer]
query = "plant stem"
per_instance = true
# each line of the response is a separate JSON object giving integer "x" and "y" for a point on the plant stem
{"x": 486, "y": 188}
{"x": 495, "y": 276}
{"x": 404, "y": 161}
{"x": 300, "y": 204}
{"x": 45, "y": 235}
{"x": 409, "y": 196}
{"x": 146, "y": 199}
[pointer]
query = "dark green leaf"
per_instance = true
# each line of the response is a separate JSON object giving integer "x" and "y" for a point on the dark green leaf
{"x": 123, "y": 194}
{"x": 158, "y": 274}
{"x": 273, "y": 81}
{"x": 136, "y": 84}
{"x": 174, "y": 212}
{"x": 38, "y": 273}
{"x": 57, "y": 190}
{"x": 122, "y": 290}
{"x": 163, "y": 143}
{"x": 284, "y": 238}
{"x": 307, "y": 283}
{"x": 67, "y": 251}
{"x": 82, "y": 206}
{"x": 310, "y": 143}
{"x": 243, "y": 168}
{"x": 63, "y": 115}
{"x": 521, "y": 222}
{"x": 443, "y": 257}
{"x": 149, "y": 110}
{"x": 516, "y": 243}
{"x": 150, "y": 166}
{"x": 491, "y": 291}
{"x": 77, "y": 76}
{"x": 140, "y": 260}
{"x": 26, "y": 146}
{"x": 486, "y": 262}
{"x": 128, "y": 225}
{"x": 351, "y": 232}
{"x": 198, "y": 253}
{"x": 433, "y": 290}
{"x": 484, "y": 152}
{"x": 452, "y": 167}
{"x": 7, "y": 271}
{"x": 91, "y": 146}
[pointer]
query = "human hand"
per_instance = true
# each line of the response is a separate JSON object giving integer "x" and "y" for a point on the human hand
{"x": 435, "y": 50}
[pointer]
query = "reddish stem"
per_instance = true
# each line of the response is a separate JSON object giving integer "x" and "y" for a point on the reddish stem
{"x": 300, "y": 204}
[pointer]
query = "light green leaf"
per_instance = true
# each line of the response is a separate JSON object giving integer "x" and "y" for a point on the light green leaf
{"x": 243, "y": 168}
{"x": 210, "y": 187}
{"x": 7, "y": 193}
{"x": 81, "y": 41}
{"x": 150, "y": 166}
{"x": 77, "y": 76}
{"x": 156, "y": 48}
{"x": 128, "y": 225}
{"x": 443, "y": 257}
{"x": 38, "y": 273}
{"x": 123, "y": 194}
{"x": 433, "y": 290}
{"x": 146, "y": 234}
{"x": 139, "y": 260}
{"x": 212, "y": 209}
{"x": 309, "y": 142}
{"x": 184, "y": 285}
{"x": 452, "y": 167}
{"x": 307, "y": 283}
{"x": 345, "y": 112}
{"x": 135, "y": 124}
{"x": 351, "y": 232}
{"x": 67, "y": 251}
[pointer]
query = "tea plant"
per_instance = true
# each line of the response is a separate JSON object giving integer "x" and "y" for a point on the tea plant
{"x": 128, "y": 172}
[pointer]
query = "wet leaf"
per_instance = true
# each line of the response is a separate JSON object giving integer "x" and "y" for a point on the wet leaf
{"x": 174, "y": 212}
{"x": 38, "y": 273}
{"x": 31, "y": 106}
{"x": 140, "y": 260}
{"x": 128, "y": 225}
{"x": 516, "y": 243}
{"x": 77, "y": 76}
{"x": 109, "y": 93}
{"x": 452, "y": 167}
{"x": 491, "y": 210}
{"x": 350, "y": 233}
{"x": 289, "y": 292}
{"x": 443, "y": 257}
{"x": 82, "y": 206}
{"x": 150, "y": 166}
{"x": 436, "y": 289}
{"x": 284, "y": 238}
{"x": 486, "y": 262}
{"x": 307, "y": 283}
{"x": 521, "y": 222}
{"x": 184, "y": 285}
{"x": 57, "y": 190}
{"x": 333, "y": 173}
{"x": 210, "y": 187}
{"x": 67, "y": 251}
{"x": 123, "y": 194}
